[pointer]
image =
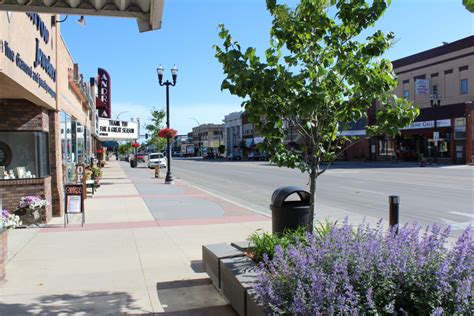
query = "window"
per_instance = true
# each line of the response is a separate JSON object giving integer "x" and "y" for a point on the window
{"x": 406, "y": 81}
{"x": 464, "y": 86}
{"x": 463, "y": 68}
{"x": 24, "y": 155}
{"x": 406, "y": 94}
{"x": 460, "y": 128}
{"x": 434, "y": 75}
{"x": 434, "y": 90}
{"x": 449, "y": 71}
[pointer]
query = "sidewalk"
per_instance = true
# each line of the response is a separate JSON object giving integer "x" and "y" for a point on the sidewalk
{"x": 138, "y": 253}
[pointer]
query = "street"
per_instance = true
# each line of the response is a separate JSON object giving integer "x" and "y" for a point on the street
{"x": 427, "y": 195}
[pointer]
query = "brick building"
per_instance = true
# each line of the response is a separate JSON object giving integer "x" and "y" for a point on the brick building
{"x": 45, "y": 111}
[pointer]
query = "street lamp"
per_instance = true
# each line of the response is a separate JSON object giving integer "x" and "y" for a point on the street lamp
{"x": 174, "y": 75}
{"x": 435, "y": 100}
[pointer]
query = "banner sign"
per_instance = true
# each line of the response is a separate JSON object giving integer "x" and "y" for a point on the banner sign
{"x": 103, "y": 97}
{"x": 428, "y": 124}
{"x": 117, "y": 130}
{"x": 422, "y": 86}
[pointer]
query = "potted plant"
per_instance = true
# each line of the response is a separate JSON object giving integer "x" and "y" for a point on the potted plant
{"x": 96, "y": 174}
{"x": 32, "y": 210}
{"x": 7, "y": 221}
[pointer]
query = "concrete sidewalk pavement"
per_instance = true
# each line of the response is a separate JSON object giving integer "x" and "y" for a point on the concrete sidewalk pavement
{"x": 138, "y": 253}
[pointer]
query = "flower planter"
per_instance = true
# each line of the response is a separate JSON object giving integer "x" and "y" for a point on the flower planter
{"x": 211, "y": 256}
{"x": 235, "y": 276}
{"x": 31, "y": 217}
{"x": 3, "y": 254}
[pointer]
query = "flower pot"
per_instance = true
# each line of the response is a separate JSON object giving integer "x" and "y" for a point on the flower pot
{"x": 31, "y": 216}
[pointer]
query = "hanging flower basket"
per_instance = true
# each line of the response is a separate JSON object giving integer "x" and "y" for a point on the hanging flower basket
{"x": 135, "y": 145}
{"x": 167, "y": 133}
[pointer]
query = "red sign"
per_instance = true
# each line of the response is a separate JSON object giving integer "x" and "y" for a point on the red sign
{"x": 103, "y": 98}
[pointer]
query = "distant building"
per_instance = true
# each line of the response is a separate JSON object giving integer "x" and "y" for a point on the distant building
{"x": 207, "y": 138}
{"x": 446, "y": 71}
{"x": 233, "y": 134}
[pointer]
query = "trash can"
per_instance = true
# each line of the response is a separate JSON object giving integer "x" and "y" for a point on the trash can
{"x": 133, "y": 163}
{"x": 289, "y": 214}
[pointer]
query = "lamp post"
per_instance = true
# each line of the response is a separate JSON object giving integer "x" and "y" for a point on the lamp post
{"x": 117, "y": 117}
{"x": 435, "y": 100}
{"x": 174, "y": 75}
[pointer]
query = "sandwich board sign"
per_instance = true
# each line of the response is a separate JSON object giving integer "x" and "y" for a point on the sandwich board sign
{"x": 74, "y": 201}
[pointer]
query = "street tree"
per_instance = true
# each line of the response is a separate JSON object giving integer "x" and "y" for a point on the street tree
{"x": 154, "y": 127}
{"x": 317, "y": 77}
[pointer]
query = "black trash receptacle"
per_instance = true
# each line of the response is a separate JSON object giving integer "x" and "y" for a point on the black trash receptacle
{"x": 133, "y": 163}
{"x": 289, "y": 214}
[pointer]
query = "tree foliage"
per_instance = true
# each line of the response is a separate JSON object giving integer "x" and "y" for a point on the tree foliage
{"x": 469, "y": 5}
{"x": 316, "y": 77}
{"x": 154, "y": 127}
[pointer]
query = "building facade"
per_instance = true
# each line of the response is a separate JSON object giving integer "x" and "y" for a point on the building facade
{"x": 45, "y": 111}
{"x": 233, "y": 132}
{"x": 445, "y": 73}
{"x": 207, "y": 138}
{"x": 440, "y": 82}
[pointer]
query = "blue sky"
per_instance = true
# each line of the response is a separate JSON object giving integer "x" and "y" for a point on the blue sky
{"x": 189, "y": 30}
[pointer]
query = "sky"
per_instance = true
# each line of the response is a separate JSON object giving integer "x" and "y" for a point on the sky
{"x": 186, "y": 39}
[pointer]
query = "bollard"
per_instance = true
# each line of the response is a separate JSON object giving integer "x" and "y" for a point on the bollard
{"x": 157, "y": 171}
{"x": 394, "y": 202}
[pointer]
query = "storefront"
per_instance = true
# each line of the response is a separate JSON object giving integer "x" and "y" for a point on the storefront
{"x": 44, "y": 125}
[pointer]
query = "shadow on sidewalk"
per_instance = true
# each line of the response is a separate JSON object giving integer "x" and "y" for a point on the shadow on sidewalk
{"x": 192, "y": 297}
{"x": 94, "y": 303}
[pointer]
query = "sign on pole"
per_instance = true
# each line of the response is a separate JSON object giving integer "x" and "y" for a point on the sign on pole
{"x": 435, "y": 136}
{"x": 422, "y": 86}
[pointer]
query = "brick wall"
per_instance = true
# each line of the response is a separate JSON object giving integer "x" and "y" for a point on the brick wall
{"x": 12, "y": 191}
{"x": 55, "y": 162}
{"x": 3, "y": 254}
{"x": 469, "y": 133}
{"x": 22, "y": 115}
{"x": 357, "y": 151}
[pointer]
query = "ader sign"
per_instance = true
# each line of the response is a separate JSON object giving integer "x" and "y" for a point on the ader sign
{"x": 103, "y": 99}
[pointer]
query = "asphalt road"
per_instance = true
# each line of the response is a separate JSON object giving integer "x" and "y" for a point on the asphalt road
{"x": 433, "y": 194}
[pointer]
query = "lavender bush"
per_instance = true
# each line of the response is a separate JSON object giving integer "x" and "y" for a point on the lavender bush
{"x": 369, "y": 271}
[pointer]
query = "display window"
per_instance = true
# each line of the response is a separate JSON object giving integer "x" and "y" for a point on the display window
{"x": 24, "y": 155}
{"x": 67, "y": 148}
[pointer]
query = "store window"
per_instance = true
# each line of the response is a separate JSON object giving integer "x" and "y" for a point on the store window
{"x": 67, "y": 148}
{"x": 464, "y": 86}
{"x": 387, "y": 147}
{"x": 406, "y": 94}
{"x": 24, "y": 155}
{"x": 460, "y": 128}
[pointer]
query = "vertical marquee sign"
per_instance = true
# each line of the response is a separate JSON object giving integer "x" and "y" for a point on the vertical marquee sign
{"x": 74, "y": 200}
{"x": 103, "y": 98}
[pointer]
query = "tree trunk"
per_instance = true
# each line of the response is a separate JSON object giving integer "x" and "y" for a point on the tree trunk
{"x": 312, "y": 191}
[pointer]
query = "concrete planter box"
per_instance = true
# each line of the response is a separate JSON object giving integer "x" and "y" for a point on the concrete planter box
{"x": 211, "y": 256}
{"x": 235, "y": 278}
{"x": 3, "y": 254}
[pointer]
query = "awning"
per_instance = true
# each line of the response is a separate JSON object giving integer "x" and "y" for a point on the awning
{"x": 149, "y": 13}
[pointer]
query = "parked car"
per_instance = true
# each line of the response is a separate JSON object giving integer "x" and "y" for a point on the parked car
{"x": 234, "y": 157}
{"x": 156, "y": 159}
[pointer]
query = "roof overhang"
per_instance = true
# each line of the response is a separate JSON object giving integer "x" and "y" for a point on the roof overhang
{"x": 149, "y": 13}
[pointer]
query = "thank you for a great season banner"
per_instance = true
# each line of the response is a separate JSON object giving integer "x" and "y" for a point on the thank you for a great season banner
{"x": 117, "y": 130}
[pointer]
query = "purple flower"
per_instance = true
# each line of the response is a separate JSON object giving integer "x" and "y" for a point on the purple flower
{"x": 367, "y": 271}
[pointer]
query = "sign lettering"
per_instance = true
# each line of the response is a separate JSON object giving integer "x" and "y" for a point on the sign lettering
{"x": 103, "y": 98}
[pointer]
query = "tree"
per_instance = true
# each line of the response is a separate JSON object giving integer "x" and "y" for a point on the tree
{"x": 317, "y": 77}
{"x": 221, "y": 149}
{"x": 124, "y": 149}
{"x": 469, "y": 5}
{"x": 157, "y": 117}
